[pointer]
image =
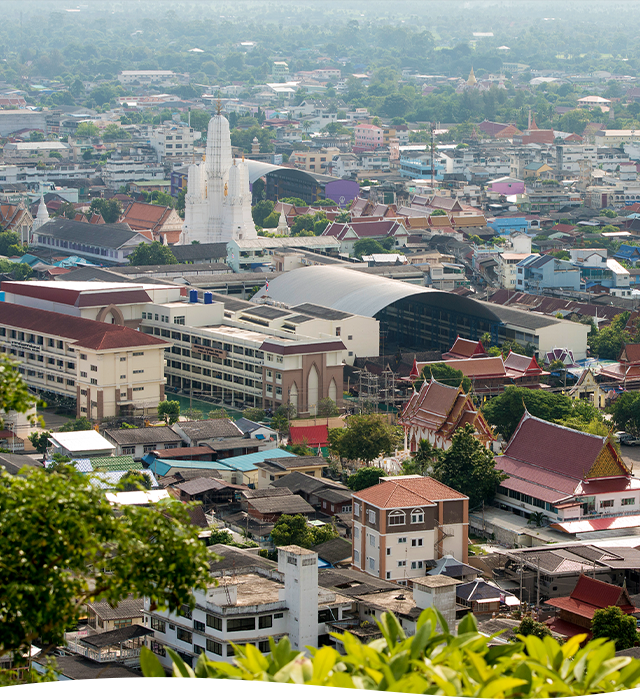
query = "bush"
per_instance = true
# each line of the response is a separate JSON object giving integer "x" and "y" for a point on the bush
{"x": 432, "y": 662}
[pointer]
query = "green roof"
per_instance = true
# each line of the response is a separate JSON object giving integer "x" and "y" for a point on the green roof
{"x": 115, "y": 463}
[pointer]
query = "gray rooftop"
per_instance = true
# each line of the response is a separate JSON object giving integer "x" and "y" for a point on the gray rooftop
{"x": 99, "y": 235}
{"x": 142, "y": 436}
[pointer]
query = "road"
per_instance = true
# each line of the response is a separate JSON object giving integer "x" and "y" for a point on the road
{"x": 631, "y": 456}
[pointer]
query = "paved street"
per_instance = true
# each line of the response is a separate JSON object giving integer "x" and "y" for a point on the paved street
{"x": 631, "y": 456}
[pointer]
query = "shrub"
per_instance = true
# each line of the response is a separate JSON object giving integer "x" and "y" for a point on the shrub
{"x": 432, "y": 662}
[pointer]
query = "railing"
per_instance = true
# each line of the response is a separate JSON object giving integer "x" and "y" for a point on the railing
{"x": 104, "y": 655}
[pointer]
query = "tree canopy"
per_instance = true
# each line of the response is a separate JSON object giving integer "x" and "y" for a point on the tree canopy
{"x": 611, "y": 623}
{"x": 364, "y": 437}
{"x": 445, "y": 374}
{"x": 626, "y": 412}
{"x": 61, "y": 537}
{"x": 152, "y": 254}
{"x": 469, "y": 467}
{"x": 365, "y": 477}
{"x": 294, "y": 529}
{"x": 169, "y": 411}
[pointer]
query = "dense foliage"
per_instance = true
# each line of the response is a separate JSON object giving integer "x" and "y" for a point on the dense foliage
{"x": 365, "y": 477}
{"x": 611, "y": 623}
{"x": 63, "y": 546}
{"x": 432, "y": 662}
{"x": 294, "y": 529}
{"x": 169, "y": 411}
{"x": 152, "y": 254}
{"x": 445, "y": 374}
{"x": 365, "y": 437}
{"x": 469, "y": 467}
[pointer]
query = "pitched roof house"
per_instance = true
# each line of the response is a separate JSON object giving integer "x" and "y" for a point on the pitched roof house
{"x": 163, "y": 222}
{"x": 436, "y": 412}
{"x": 627, "y": 370}
{"x": 577, "y": 480}
{"x": 575, "y": 612}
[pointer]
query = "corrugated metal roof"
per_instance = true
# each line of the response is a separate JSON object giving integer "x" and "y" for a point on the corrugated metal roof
{"x": 245, "y": 463}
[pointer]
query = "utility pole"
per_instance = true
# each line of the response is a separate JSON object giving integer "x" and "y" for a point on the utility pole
{"x": 433, "y": 167}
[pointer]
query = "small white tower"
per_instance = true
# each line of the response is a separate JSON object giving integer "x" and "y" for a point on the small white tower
{"x": 283, "y": 228}
{"x": 42, "y": 215}
{"x": 300, "y": 569}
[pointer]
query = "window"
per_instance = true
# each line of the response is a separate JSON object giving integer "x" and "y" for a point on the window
{"x": 372, "y": 563}
{"x": 139, "y": 354}
{"x": 179, "y": 320}
{"x": 402, "y": 540}
{"x": 606, "y": 504}
{"x": 230, "y": 650}
{"x": 372, "y": 516}
{"x": 128, "y": 450}
{"x": 158, "y": 625}
{"x": 157, "y": 648}
{"x": 265, "y": 622}
{"x": 197, "y": 649}
{"x": 83, "y": 374}
{"x": 264, "y": 647}
{"x": 83, "y": 357}
{"x": 388, "y": 574}
{"x": 628, "y": 501}
{"x": 151, "y": 448}
{"x": 185, "y": 612}
{"x": 416, "y": 543}
{"x": 402, "y": 563}
{"x": 184, "y": 635}
{"x": 416, "y": 564}
{"x": 214, "y": 647}
{"x": 372, "y": 540}
{"x": 95, "y": 381}
{"x": 356, "y": 509}
{"x": 278, "y": 616}
{"x": 241, "y": 624}
{"x": 122, "y": 359}
{"x": 396, "y": 517}
{"x": 356, "y": 556}
{"x": 135, "y": 388}
{"x": 215, "y": 622}
{"x": 94, "y": 368}
{"x": 138, "y": 371}
{"x": 417, "y": 516}
{"x": 198, "y": 626}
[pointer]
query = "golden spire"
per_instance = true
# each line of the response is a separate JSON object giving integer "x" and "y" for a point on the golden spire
{"x": 218, "y": 106}
{"x": 226, "y": 189}
{"x": 243, "y": 157}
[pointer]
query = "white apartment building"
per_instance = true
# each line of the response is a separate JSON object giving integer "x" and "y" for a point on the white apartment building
{"x": 31, "y": 175}
{"x": 508, "y": 268}
{"x": 118, "y": 172}
{"x": 146, "y": 77}
{"x": 251, "y": 603}
{"x": 224, "y": 349}
{"x": 402, "y": 522}
{"x": 174, "y": 141}
{"x": 570, "y": 157}
{"x": 108, "y": 369}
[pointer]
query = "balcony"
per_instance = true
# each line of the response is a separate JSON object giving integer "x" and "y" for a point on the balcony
{"x": 122, "y": 644}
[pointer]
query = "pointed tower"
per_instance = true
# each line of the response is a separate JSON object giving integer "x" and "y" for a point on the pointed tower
{"x": 533, "y": 126}
{"x": 283, "y": 228}
{"x": 471, "y": 80}
{"x": 42, "y": 215}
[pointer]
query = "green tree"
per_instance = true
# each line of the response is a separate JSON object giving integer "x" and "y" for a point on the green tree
{"x": 61, "y": 537}
{"x": 261, "y": 211}
{"x": 320, "y": 226}
{"x": 219, "y": 536}
{"x": 607, "y": 343}
{"x": 87, "y": 130}
{"x": 36, "y": 136}
{"x": 134, "y": 481}
{"x": 110, "y": 209}
{"x": 613, "y": 624}
{"x": 301, "y": 449}
{"x": 506, "y": 410}
{"x": 76, "y": 424}
{"x": 365, "y": 477}
{"x": 443, "y": 373}
{"x": 435, "y": 661}
{"x": 284, "y": 414}
{"x": 152, "y": 254}
{"x": 8, "y": 239}
{"x": 162, "y": 199}
{"x": 40, "y": 441}
{"x": 326, "y": 408}
{"x": 364, "y": 437}
{"x": 626, "y": 412}
{"x": 528, "y": 626}
{"x": 296, "y": 201}
{"x": 294, "y": 529}
{"x": 367, "y": 246}
{"x": 113, "y": 132}
{"x": 301, "y": 223}
{"x": 254, "y": 414}
{"x": 169, "y": 411}
{"x": 272, "y": 220}
{"x": 469, "y": 467}
{"x": 423, "y": 461}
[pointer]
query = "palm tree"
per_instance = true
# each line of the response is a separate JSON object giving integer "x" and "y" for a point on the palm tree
{"x": 537, "y": 518}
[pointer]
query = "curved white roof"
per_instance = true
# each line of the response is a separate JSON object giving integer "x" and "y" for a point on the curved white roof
{"x": 357, "y": 292}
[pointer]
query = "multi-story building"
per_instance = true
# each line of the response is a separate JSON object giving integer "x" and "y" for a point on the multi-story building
{"x": 239, "y": 353}
{"x": 108, "y": 369}
{"x": 174, "y": 141}
{"x": 368, "y": 137}
{"x": 147, "y": 77}
{"x": 402, "y": 522}
{"x": 118, "y": 172}
{"x": 314, "y": 161}
{"x": 252, "y": 602}
{"x": 30, "y": 174}
{"x": 538, "y": 272}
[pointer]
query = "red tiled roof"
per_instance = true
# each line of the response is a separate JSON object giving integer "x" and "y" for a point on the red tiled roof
{"x": 140, "y": 215}
{"x": 561, "y": 483}
{"x": 83, "y": 331}
{"x": 522, "y": 364}
{"x": 590, "y": 595}
{"x": 76, "y": 297}
{"x": 554, "y": 447}
{"x": 475, "y": 366}
{"x": 313, "y": 435}
{"x": 466, "y": 348}
{"x": 405, "y": 493}
{"x": 630, "y": 352}
{"x": 577, "y": 527}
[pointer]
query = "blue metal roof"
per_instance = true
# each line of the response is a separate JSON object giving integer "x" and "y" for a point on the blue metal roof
{"x": 247, "y": 463}
{"x": 161, "y": 467}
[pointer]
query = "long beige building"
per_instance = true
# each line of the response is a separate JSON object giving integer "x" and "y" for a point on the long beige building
{"x": 109, "y": 369}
